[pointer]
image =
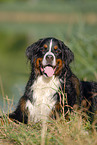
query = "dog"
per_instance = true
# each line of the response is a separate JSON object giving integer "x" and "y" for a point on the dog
{"x": 51, "y": 78}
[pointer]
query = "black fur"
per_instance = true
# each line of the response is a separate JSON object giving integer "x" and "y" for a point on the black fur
{"x": 76, "y": 90}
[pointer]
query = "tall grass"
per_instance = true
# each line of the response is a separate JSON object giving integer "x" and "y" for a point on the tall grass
{"x": 59, "y": 132}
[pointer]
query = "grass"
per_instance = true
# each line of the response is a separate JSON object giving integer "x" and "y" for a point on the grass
{"x": 59, "y": 132}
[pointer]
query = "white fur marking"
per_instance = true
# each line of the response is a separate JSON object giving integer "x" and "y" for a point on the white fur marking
{"x": 44, "y": 62}
{"x": 43, "y": 91}
{"x": 50, "y": 46}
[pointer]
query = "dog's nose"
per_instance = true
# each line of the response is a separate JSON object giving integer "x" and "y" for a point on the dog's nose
{"x": 49, "y": 58}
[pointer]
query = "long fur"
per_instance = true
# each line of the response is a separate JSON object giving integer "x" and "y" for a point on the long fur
{"x": 42, "y": 94}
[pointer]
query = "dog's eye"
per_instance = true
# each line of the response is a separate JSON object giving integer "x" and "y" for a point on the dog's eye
{"x": 56, "y": 49}
{"x": 44, "y": 48}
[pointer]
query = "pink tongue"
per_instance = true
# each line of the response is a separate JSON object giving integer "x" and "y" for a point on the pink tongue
{"x": 49, "y": 71}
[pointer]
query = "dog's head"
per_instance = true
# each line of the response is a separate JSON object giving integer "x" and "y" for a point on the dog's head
{"x": 49, "y": 56}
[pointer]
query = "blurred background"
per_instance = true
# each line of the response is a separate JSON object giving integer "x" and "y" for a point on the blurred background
{"x": 23, "y": 22}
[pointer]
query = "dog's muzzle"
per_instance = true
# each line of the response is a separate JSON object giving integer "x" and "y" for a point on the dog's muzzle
{"x": 49, "y": 63}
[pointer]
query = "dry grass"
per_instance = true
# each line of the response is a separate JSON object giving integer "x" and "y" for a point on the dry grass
{"x": 59, "y": 132}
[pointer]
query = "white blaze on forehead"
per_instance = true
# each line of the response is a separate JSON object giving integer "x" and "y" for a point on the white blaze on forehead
{"x": 44, "y": 61}
{"x": 50, "y": 46}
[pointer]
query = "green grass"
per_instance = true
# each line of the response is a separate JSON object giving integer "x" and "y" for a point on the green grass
{"x": 59, "y": 132}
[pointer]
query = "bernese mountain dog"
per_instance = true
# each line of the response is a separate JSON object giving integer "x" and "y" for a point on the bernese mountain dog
{"x": 51, "y": 82}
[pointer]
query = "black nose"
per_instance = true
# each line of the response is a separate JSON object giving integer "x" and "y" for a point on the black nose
{"x": 49, "y": 58}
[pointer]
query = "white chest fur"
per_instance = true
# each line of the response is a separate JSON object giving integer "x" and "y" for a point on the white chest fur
{"x": 43, "y": 91}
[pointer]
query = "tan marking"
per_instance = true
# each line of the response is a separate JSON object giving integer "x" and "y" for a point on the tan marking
{"x": 22, "y": 104}
{"x": 58, "y": 107}
{"x": 45, "y": 45}
{"x": 37, "y": 69}
{"x": 55, "y": 112}
{"x": 23, "y": 107}
{"x": 60, "y": 65}
{"x": 55, "y": 47}
{"x": 38, "y": 61}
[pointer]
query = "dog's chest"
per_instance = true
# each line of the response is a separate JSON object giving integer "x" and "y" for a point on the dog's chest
{"x": 43, "y": 91}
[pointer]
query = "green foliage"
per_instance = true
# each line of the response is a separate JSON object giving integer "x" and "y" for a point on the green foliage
{"x": 85, "y": 52}
{"x": 14, "y": 42}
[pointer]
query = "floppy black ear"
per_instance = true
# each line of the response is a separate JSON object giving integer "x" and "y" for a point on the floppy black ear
{"x": 31, "y": 50}
{"x": 68, "y": 55}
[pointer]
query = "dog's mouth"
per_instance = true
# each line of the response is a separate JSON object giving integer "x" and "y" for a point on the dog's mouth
{"x": 48, "y": 70}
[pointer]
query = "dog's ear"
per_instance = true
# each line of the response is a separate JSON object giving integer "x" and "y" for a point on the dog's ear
{"x": 32, "y": 49}
{"x": 68, "y": 55}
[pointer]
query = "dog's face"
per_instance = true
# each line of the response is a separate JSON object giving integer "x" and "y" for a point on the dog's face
{"x": 49, "y": 56}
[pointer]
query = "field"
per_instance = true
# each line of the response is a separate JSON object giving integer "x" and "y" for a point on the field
{"x": 21, "y": 24}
